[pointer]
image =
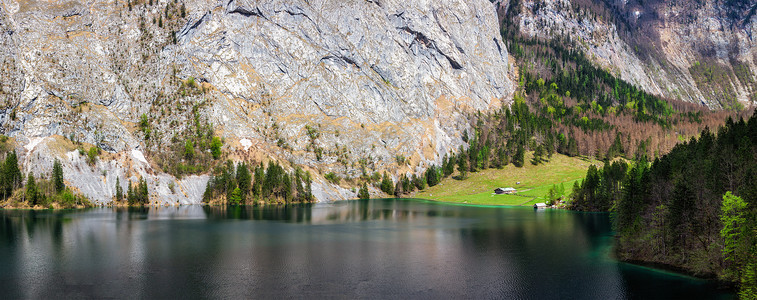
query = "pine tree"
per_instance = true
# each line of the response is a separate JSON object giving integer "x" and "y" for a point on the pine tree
{"x": 616, "y": 148}
{"x": 257, "y": 185}
{"x": 502, "y": 159}
{"x": 572, "y": 147}
{"x": 119, "y": 190}
{"x": 286, "y": 190}
{"x": 231, "y": 182}
{"x": 387, "y": 186}
{"x": 299, "y": 190}
{"x": 449, "y": 166}
{"x": 538, "y": 155}
{"x": 462, "y": 165}
{"x": 31, "y": 190}
{"x": 398, "y": 189}
{"x": 433, "y": 176}
{"x": 243, "y": 181}
{"x": 11, "y": 174}
{"x": 236, "y": 196}
{"x": 549, "y": 146}
{"x": 58, "y": 177}
{"x": 271, "y": 180}
{"x": 519, "y": 157}
{"x": 407, "y": 185}
{"x": 143, "y": 192}
{"x": 209, "y": 189}
{"x": 308, "y": 186}
{"x": 748, "y": 286}
{"x": 130, "y": 195}
{"x": 419, "y": 182}
{"x": 363, "y": 192}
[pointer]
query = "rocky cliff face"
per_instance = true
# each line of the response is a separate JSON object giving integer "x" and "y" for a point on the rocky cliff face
{"x": 372, "y": 80}
{"x": 696, "y": 51}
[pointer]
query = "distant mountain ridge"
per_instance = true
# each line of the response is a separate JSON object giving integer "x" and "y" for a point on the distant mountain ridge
{"x": 697, "y": 51}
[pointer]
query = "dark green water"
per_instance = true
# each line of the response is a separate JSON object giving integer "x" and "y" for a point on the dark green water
{"x": 353, "y": 249}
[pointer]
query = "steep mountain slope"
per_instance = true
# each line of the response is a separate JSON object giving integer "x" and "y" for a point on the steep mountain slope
{"x": 329, "y": 85}
{"x": 696, "y": 51}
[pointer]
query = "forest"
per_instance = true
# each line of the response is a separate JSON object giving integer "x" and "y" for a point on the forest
{"x": 694, "y": 208}
{"x": 564, "y": 104}
{"x": 243, "y": 184}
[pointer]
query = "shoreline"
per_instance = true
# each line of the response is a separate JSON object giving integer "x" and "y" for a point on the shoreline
{"x": 660, "y": 267}
{"x": 147, "y": 206}
{"x": 481, "y": 205}
{"x": 668, "y": 268}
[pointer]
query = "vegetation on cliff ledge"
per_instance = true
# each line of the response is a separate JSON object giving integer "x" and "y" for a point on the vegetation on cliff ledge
{"x": 28, "y": 191}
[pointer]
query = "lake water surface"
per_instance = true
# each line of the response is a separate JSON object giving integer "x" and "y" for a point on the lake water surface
{"x": 383, "y": 248}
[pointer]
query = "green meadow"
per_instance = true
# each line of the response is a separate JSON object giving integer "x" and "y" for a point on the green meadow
{"x": 535, "y": 182}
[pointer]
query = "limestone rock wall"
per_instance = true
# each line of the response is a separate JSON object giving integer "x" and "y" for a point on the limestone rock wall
{"x": 377, "y": 79}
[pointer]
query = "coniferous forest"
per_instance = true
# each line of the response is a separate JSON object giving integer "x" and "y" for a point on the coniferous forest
{"x": 242, "y": 184}
{"x": 694, "y": 208}
{"x": 42, "y": 191}
{"x": 564, "y": 104}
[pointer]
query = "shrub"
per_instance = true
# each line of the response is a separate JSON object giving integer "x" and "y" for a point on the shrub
{"x": 333, "y": 178}
{"x": 67, "y": 199}
{"x": 215, "y": 147}
{"x": 144, "y": 126}
{"x": 92, "y": 155}
{"x": 189, "y": 150}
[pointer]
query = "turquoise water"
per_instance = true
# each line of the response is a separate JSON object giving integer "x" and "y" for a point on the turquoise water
{"x": 382, "y": 248}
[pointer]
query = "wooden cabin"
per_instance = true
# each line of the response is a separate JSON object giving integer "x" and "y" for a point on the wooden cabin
{"x": 507, "y": 190}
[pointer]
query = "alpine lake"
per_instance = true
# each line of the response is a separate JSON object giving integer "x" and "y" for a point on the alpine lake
{"x": 379, "y": 248}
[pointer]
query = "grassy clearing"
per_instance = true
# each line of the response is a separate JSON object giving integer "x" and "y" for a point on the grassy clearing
{"x": 535, "y": 182}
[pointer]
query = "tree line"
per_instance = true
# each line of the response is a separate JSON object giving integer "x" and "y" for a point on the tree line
{"x": 694, "y": 208}
{"x": 563, "y": 104}
{"x": 591, "y": 105}
{"x": 243, "y": 184}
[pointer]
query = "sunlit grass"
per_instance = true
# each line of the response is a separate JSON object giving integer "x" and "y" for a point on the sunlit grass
{"x": 535, "y": 182}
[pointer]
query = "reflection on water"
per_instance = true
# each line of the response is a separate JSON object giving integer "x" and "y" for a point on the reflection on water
{"x": 369, "y": 248}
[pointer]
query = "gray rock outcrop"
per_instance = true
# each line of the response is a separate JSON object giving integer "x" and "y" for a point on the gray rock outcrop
{"x": 377, "y": 79}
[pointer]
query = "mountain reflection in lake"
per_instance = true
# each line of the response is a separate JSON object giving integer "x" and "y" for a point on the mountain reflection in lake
{"x": 383, "y": 248}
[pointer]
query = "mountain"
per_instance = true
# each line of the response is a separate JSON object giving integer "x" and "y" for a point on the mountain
{"x": 170, "y": 90}
{"x": 696, "y": 51}
{"x": 331, "y": 86}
